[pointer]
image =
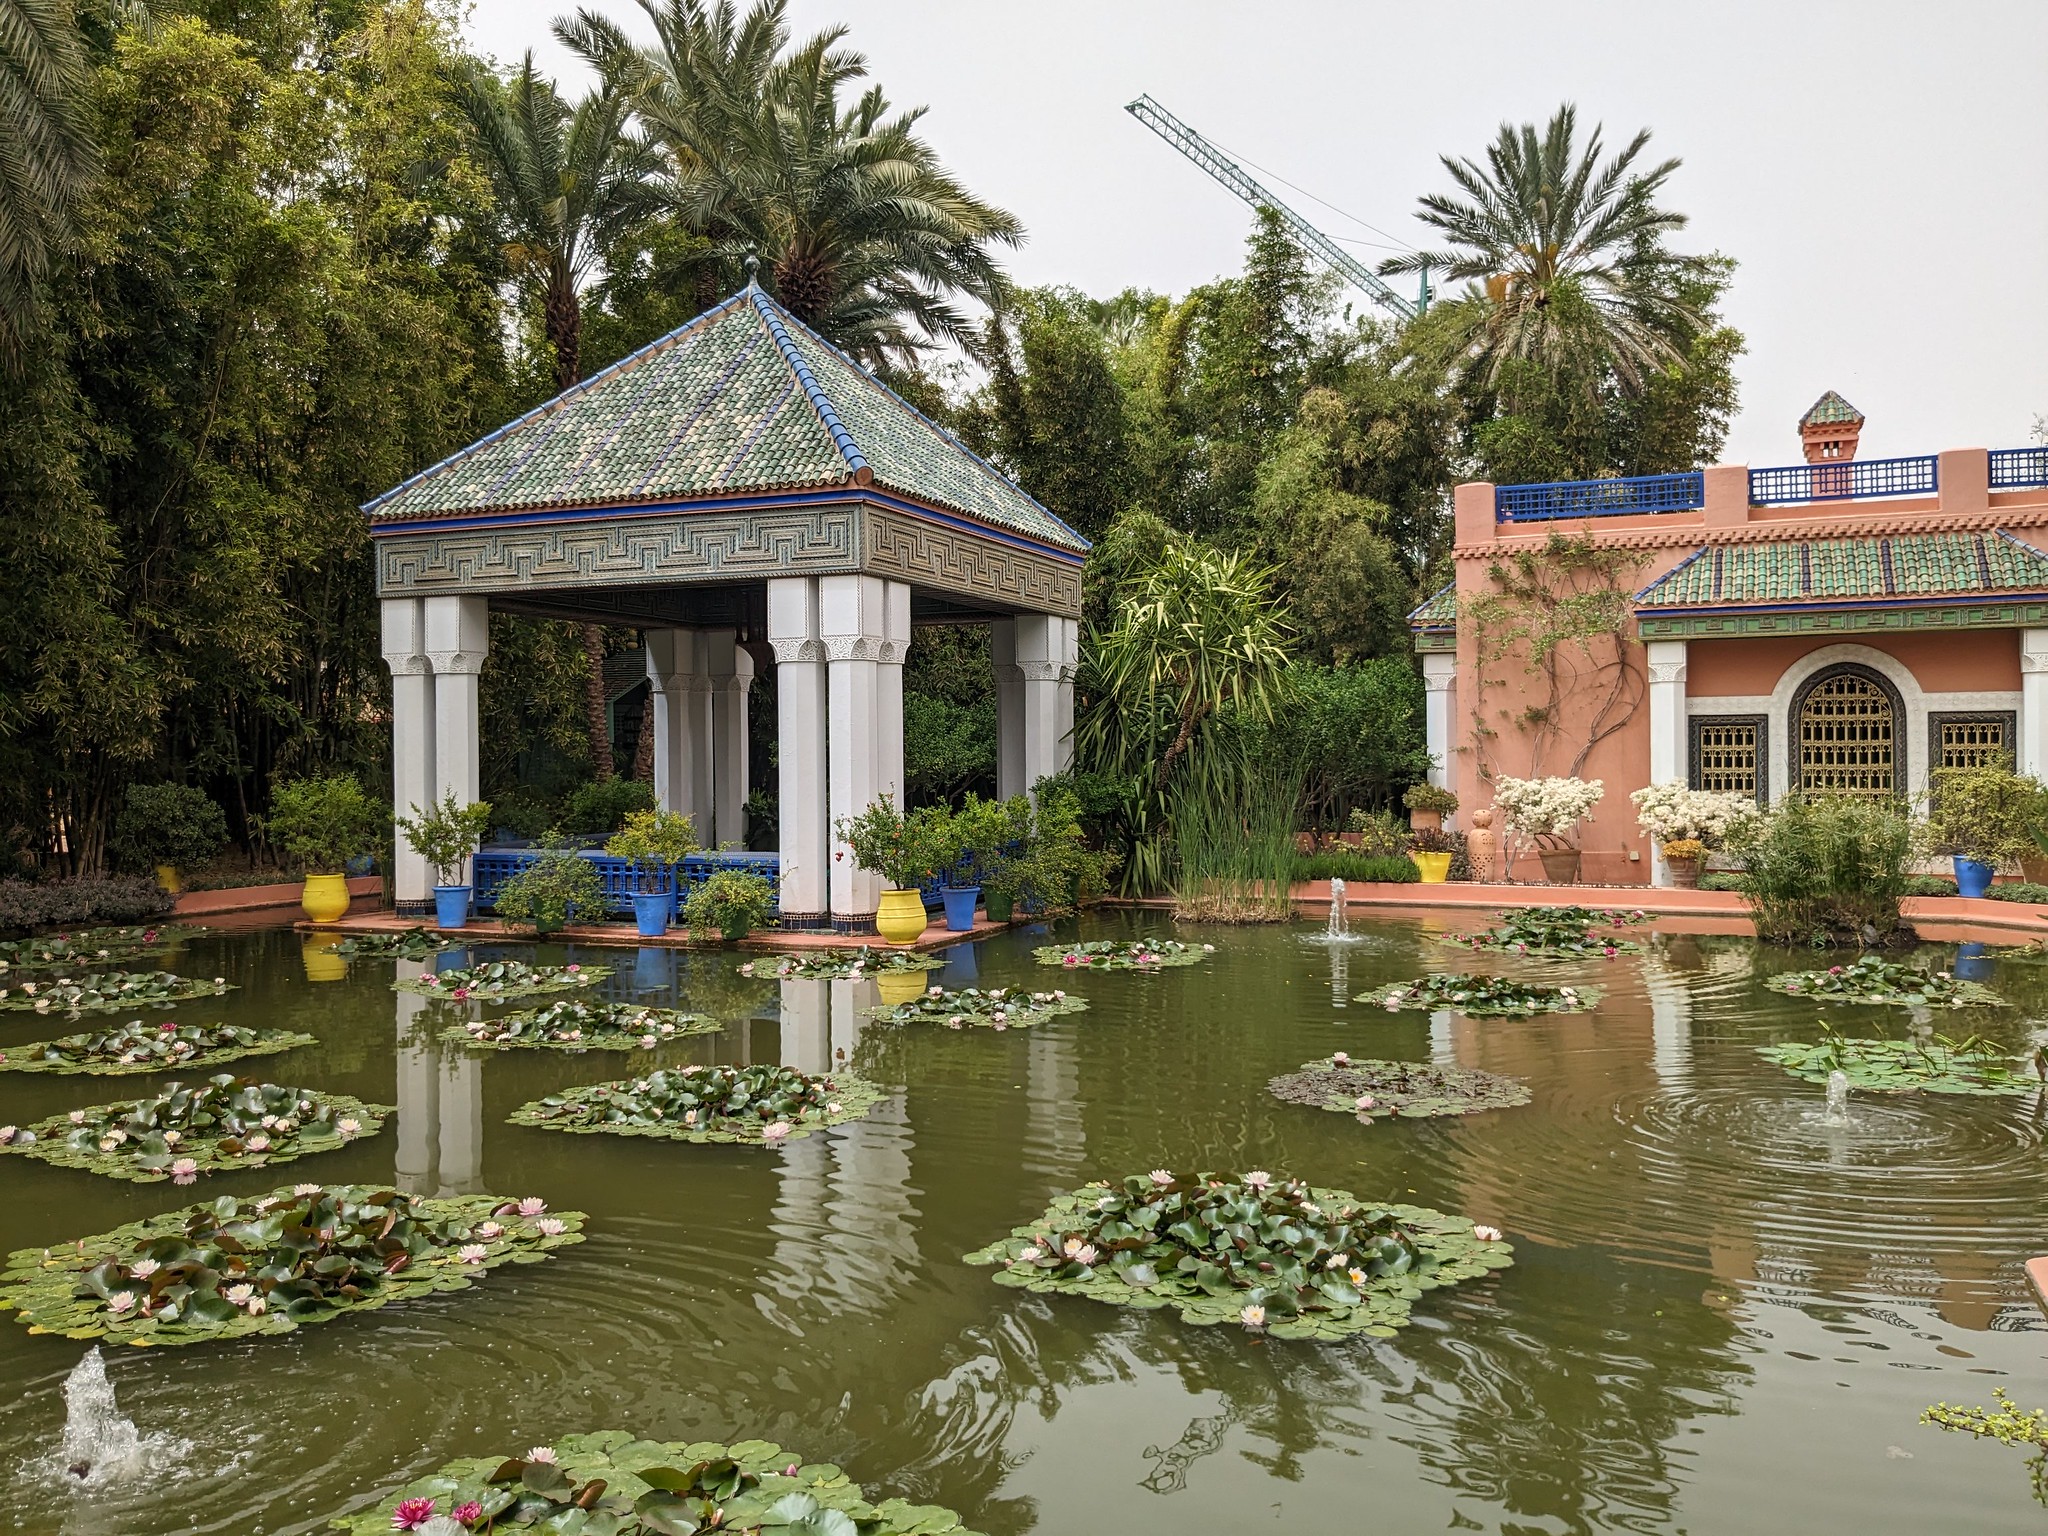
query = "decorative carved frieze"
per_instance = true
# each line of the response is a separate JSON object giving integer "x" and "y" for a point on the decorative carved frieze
{"x": 457, "y": 663}
{"x": 1932, "y": 619}
{"x": 956, "y": 560}
{"x": 798, "y": 650}
{"x": 403, "y": 665}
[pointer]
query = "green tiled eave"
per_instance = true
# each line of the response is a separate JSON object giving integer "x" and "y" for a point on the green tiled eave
{"x": 1439, "y": 611}
{"x": 741, "y": 401}
{"x": 1907, "y": 567}
{"x": 1830, "y": 410}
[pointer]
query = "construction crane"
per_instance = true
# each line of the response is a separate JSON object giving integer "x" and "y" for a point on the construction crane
{"x": 1238, "y": 180}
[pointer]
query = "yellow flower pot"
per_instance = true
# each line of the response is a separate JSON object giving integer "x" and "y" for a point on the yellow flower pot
{"x": 325, "y": 899}
{"x": 167, "y": 879}
{"x": 322, "y": 963}
{"x": 900, "y": 986}
{"x": 1435, "y": 867}
{"x": 901, "y": 918}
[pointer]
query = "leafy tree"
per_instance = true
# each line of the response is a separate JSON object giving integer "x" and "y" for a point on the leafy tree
{"x": 949, "y": 714}
{"x": 1058, "y": 408}
{"x": 46, "y": 154}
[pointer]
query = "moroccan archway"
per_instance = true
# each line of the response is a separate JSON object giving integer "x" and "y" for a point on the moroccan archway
{"x": 1848, "y": 733}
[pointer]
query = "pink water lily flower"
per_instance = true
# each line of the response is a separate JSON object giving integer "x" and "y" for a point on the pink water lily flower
{"x": 574, "y": 969}
{"x": 551, "y": 1226}
{"x": 533, "y": 1205}
{"x": 776, "y": 1131}
{"x": 544, "y": 1454}
{"x": 468, "y": 1514}
{"x": 1487, "y": 1234}
{"x": 1258, "y": 1179}
{"x": 472, "y": 1253}
{"x": 411, "y": 1514}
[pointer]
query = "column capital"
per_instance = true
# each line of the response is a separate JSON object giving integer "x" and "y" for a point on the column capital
{"x": 412, "y": 664}
{"x": 1667, "y": 671}
{"x": 680, "y": 682}
{"x": 853, "y": 647}
{"x": 457, "y": 663}
{"x": 2034, "y": 650}
{"x": 1040, "y": 671}
{"x": 789, "y": 650}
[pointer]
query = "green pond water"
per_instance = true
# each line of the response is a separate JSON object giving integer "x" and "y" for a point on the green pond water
{"x": 1725, "y": 1315}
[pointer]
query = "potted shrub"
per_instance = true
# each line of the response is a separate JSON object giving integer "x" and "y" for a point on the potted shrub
{"x": 1428, "y": 805}
{"x": 164, "y": 826}
{"x": 558, "y": 885}
{"x": 734, "y": 901}
{"x": 901, "y": 850}
{"x": 654, "y": 843}
{"x": 1981, "y": 817}
{"x": 1430, "y": 850}
{"x": 1545, "y": 811}
{"x": 445, "y": 834}
{"x": 958, "y": 841}
{"x": 999, "y": 835}
{"x": 1687, "y": 822}
{"x": 322, "y": 824}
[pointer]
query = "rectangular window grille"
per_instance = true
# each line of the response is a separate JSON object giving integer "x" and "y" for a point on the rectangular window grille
{"x": 1728, "y": 754}
{"x": 1971, "y": 741}
{"x": 2015, "y": 467}
{"x": 1679, "y": 492}
{"x": 1843, "y": 482}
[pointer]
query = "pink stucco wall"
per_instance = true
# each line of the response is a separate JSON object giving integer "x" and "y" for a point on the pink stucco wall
{"x": 1986, "y": 661}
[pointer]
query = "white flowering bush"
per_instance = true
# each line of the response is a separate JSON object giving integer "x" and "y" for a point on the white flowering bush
{"x": 1546, "y": 808}
{"x": 1671, "y": 811}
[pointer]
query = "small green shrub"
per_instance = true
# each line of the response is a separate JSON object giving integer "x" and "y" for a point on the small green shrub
{"x": 1826, "y": 869}
{"x": 1060, "y": 871}
{"x": 168, "y": 824}
{"x": 323, "y": 823}
{"x": 1381, "y": 834}
{"x": 600, "y": 809}
{"x": 904, "y": 850}
{"x": 561, "y": 883}
{"x": 446, "y": 833}
{"x": 1985, "y": 812}
{"x": 2019, "y": 890}
{"x": 654, "y": 843}
{"x": 523, "y": 812}
{"x": 1430, "y": 797}
{"x": 731, "y": 898}
{"x": 1354, "y": 868}
{"x": 26, "y": 905}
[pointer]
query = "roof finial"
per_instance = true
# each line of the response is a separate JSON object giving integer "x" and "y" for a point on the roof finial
{"x": 753, "y": 272}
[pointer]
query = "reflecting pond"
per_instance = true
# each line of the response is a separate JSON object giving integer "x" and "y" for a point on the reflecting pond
{"x": 1726, "y": 1313}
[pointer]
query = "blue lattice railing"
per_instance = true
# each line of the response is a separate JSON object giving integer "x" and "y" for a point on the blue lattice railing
{"x": 1599, "y": 498}
{"x": 1843, "y": 481}
{"x": 2015, "y": 467}
{"x": 492, "y": 867}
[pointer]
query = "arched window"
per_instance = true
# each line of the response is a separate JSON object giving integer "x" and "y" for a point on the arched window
{"x": 1849, "y": 727}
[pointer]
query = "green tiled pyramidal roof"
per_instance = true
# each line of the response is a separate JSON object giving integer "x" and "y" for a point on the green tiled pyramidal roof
{"x": 1438, "y": 611}
{"x": 743, "y": 400}
{"x": 1829, "y": 410}
{"x": 1921, "y": 565}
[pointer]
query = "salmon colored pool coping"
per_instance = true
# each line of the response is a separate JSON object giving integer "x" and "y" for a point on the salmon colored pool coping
{"x": 623, "y": 936}
{"x": 258, "y": 898}
{"x": 2037, "y": 1271}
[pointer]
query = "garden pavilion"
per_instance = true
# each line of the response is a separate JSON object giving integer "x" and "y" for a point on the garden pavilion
{"x": 740, "y": 491}
{"x": 1845, "y": 625}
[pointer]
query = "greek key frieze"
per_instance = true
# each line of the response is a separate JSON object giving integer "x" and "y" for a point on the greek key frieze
{"x": 954, "y": 560}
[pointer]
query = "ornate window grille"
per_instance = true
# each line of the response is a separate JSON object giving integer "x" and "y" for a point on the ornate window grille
{"x": 1729, "y": 753}
{"x": 1971, "y": 741}
{"x": 1846, "y": 723}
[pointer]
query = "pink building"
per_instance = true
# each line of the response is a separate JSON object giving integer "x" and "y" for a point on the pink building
{"x": 1840, "y": 624}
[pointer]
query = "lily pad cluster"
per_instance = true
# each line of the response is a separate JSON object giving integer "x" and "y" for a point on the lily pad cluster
{"x": 140, "y": 1046}
{"x": 307, "y": 1254}
{"x": 85, "y": 946}
{"x": 1409, "y": 1090}
{"x": 1271, "y": 1254}
{"x": 225, "y": 1122}
{"x": 980, "y": 1008}
{"x": 108, "y": 990}
{"x": 1940, "y": 1065}
{"x": 1575, "y": 933}
{"x": 496, "y": 980}
{"x": 1123, "y": 954}
{"x": 1480, "y": 996}
{"x": 576, "y": 1024}
{"x": 762, "y": 1105}
{"x": 619, "y": 1485}
{"x": 414, "y": 943}
{"x": 839, "y": 964}
{"x": 1871, "y": 979}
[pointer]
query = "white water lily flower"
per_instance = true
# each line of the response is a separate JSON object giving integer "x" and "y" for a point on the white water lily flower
{"x": 7, "y": 1134}
{"x": 185, "y": 1165}
{"x": 1363, "y": 1102}
{"x": 142, "y": 1269}
{"x": 238, "y": 1294}
{"x": 258, "y": 1143}
{"x": 551, "y": 1226}
{"x": 1031, "y": 1253}
{"x": 533, "y": 1205}
{"x": 1340, "y": 1059}
{"x": 1208, "y": 949}
{"x": 545, "y": 1454}
{"x": 305, "y": 1189}
{"x": 347, "y": 1126}
{"x": 689, "y": 1117}
{"x": 1356, "y": 1276}
{"x": 1085, "y": 1255}
{"x": 472, "y": 1253}
{"x": 1259, "y": 1179}
{"x": 172, "y": 1138}
{"x": 1253, "y": 1316}
{"x": 1160, "y": 1176}
{"x": 107, "y": 1144}
{"x": 489, "y": 1229}
{"x": 648, "y": 1042}
{"x": 934, "y": 991}
{"x": 78, "y": 1117}
{"x": 258, "y": 1305}
{"x": 1073, "y": 1247}
{"x": 776, "y": 1131}
{"x": 833, "y": 1109}
{"x": 1487, "y": 1234}
{"x": 120, "y": 1302}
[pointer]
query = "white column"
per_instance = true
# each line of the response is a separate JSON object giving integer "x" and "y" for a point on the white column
{"x": 1667, "y": 727}
{"x": 1069, "y": 657}
{"x": 1041, "y": 658}
{"x": 2033, "y": 743}
{"x": 458, "y": 633}
{"x": 682, "y": 726}
{"x": 889, "y": 692}
{"x": 1009, "y": 709}
{"x": 412, "y": 739}
{"x": 1439, "y": 711}
{"x": 419, "y": 1098}
{"x": 853, "y": 622}
{"x": 806, "y": 1024}
{"x": 731, "y": 673}
{"x": 800, "y": 727}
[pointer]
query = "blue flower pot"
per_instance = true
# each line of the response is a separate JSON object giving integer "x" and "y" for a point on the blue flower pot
{"x": 1973, "y": 876}
{"x": 1973, "y": 964}
{"x": 960, "y": 900}
{"x": 652, "y": 911}
{"x": 451, "y": 906}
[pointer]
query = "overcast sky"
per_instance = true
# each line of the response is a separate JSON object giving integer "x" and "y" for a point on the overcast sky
{"x": 1879, "y": 169}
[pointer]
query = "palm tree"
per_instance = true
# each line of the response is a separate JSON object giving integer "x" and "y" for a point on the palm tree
{"x": 1566, "y": 253}
{"x": 865, "y": 235}
{"x": 566, "y": 179}
{"x": 46, "y": 156}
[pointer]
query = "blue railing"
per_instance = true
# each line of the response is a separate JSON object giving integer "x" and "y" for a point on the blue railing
{"x": 492, "y": 867}
{"x": 1599, "y": 498}
{"x": 1843, "y": 480}
{"x": 2015, "y": 467}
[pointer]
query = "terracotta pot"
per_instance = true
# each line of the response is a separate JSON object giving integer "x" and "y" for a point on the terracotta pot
{"x": 1560, "y": 865}
{"x": 1425, "y": 821}
{"x": 2034, "y": 868}
{"x": 1685, "y": 873}
{"x": 325, "y": 898}
{"x": 900, "y": 919}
